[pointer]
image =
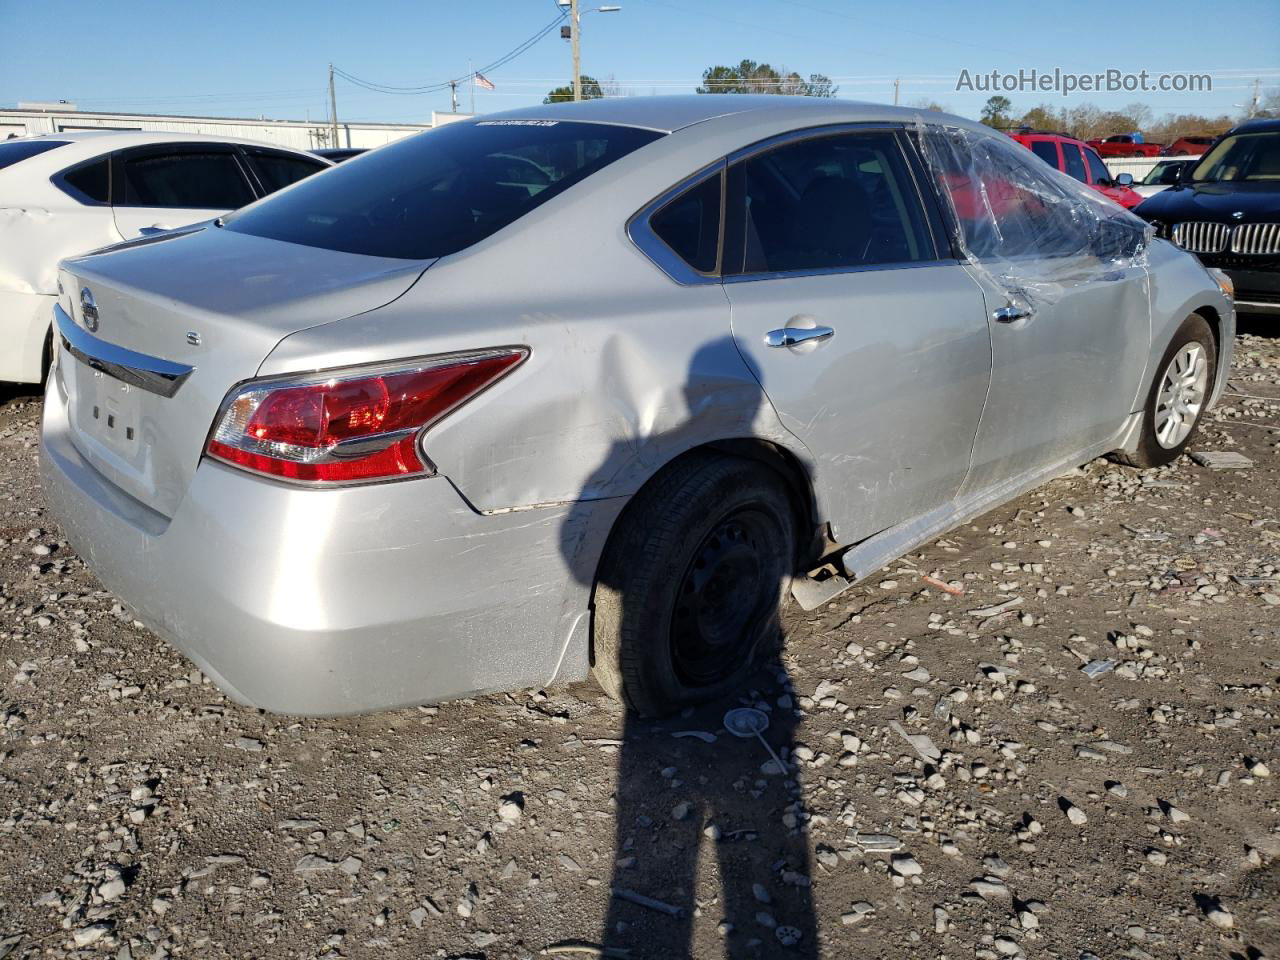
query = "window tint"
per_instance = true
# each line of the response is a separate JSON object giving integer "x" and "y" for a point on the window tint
{"x": 12, "y": 151}
{"x": 690, "y": 225}
{"x": 1047, "y": 151}
{"x": 1099, "y": 175}
{"x": 93, "y": 180}
{"x": 277, "y": 169}
{"x": 205, "y": 179}
{"x": 1073, "y": 163}
{"x": 825, "y": 203}
{"x": 443, "y": 190}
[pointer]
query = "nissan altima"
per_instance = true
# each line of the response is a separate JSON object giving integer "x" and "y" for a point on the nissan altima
{"x": 593, "y": 388}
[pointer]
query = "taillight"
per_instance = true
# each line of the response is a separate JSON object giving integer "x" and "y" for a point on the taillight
{"x": 353, "y": 425}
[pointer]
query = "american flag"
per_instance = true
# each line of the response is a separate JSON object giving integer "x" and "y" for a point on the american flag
{"x": 483, "y": 82}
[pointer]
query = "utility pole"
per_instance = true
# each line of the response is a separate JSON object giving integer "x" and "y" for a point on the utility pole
{"x": 1253, "y": 103}
{"x": 897, "y": 81}
{"x": 333, "y": 108}
{"x": 575, "y": 26}
{"x": 453, "y": 94}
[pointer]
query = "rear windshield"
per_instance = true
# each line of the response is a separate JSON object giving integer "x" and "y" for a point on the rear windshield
{"x": 11, "y": 151}
{"x": 440, "y": 191}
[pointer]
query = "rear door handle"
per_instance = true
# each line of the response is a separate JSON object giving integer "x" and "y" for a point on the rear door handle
{"x": 790, "y": 336}
{"x": 1011, "y": 314}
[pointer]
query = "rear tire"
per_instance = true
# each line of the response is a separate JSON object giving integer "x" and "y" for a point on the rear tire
{"x": 1179, "y": 393}
{"x": 692, "y": 582}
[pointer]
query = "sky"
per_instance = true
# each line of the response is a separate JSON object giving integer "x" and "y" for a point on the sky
{"x": 270, "y": 58}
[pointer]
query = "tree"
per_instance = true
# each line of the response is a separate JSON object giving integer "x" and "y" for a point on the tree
{"x": 1041, "y": 117}
{"x": 924, "y": 103}
{"x": 751, "y": 77}
{"x": 995, "y": 113}
{"x": 590, "y": 91}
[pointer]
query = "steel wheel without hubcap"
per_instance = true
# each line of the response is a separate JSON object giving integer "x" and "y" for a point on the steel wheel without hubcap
{"x": 1182, "y": 394}
{"x": 722, "y": 592}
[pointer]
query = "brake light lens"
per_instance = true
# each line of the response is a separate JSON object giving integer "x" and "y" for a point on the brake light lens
{"x": 350, "y": 426}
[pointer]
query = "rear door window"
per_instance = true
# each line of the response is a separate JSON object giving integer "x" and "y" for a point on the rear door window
{"x": 1047, "y": 151}
{"x": 277, "y": 169}
{"x": 196, "y": 178}
{"x": 14, "y": 151}
{"x": 443, "y": 190}
{"x": 825, "y": 203}
{"x": 1073, "y": 162}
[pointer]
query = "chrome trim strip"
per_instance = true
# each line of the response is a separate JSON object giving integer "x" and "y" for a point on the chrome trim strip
{"x": 149, "y": 373}
{"x": 836, "y": 271}
{"x": 1254, "y": 306}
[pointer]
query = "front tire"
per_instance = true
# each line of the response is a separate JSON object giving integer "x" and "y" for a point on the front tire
{"x": 692, "y": 582}
{"x": 1178, "y": 396}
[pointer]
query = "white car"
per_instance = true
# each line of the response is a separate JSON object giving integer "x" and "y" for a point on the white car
{"x": 1164, "y": 175}
{"x": 69, "y": 193}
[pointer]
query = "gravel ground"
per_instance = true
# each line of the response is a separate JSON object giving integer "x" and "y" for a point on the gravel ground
{"x": 956, "y": 782}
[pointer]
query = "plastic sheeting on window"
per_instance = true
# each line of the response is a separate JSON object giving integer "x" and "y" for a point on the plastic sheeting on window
{"x": 1030, "y": 229}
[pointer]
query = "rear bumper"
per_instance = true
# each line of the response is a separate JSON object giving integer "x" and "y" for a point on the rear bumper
{"x": 24, "y": 326}
{"x": 321, "y": 602}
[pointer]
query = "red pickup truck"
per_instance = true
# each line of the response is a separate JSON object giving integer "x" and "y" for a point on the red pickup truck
{"x": 1126, "y": 145}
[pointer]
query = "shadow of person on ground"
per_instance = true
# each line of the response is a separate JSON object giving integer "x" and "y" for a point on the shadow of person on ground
{"x": 687, "y": 789}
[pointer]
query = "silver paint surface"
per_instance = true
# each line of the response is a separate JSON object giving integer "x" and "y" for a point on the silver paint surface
{"x": 918, "y": 412}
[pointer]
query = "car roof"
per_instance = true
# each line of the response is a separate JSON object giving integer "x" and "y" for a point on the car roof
{"x": 29, "y": 178}
{"x": 1054, "y": 137}
{"x": 105, "y": 141}
{"x": 668, "y": 114}
{"x": 1259, "y": 125}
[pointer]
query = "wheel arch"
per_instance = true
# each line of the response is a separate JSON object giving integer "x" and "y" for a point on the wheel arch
{"x": 784, "y": 463}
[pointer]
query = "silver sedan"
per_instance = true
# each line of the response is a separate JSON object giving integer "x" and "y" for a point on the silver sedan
{"x": 592, "y": 388}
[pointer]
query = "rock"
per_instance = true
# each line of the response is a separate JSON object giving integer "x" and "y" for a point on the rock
{"x": 1221, "y": 918}
{"x": 787, "y": 936}
{"x": 1074, "y": 813}
{"x": 313, "y": 863}
{"x": 990, "y": 888}
{"x": 906, "y": 865}
{"x": 251, "y": 744}
{"x": 1173, "y": 813}
{"x": 90, "y": 934}
{"x": 113, "y": 889}
{"x": 1157, "y": 857}
{"x": 511, "y": 810}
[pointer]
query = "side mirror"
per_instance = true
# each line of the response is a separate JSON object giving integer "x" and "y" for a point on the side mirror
{"x": 1124, "y": 180}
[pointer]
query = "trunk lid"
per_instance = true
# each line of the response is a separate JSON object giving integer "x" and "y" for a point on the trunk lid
{"x": 213, "y": 301}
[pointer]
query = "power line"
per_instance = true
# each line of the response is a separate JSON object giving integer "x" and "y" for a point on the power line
{"x": 446, "y": 84}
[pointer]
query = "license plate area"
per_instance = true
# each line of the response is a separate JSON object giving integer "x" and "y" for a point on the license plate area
{"x": 107, "y": 412}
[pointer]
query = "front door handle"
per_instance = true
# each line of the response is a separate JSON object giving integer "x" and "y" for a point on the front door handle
{"x": 791, "y": 336}
{"x": 1011, "y": 314}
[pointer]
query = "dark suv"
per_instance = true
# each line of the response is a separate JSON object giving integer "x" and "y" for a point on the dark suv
{"x": 1226, "y": 210}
